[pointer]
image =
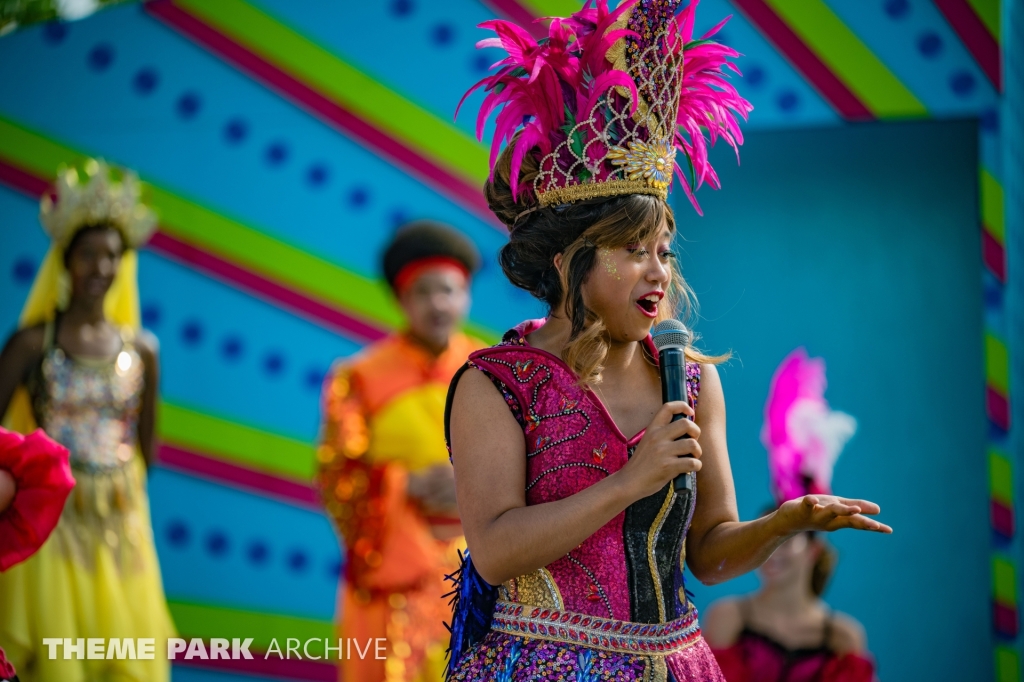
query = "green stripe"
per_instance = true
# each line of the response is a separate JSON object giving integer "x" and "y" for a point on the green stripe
{"x": 848, "y": 57}
{"x": 992, "y": 206}
{"x": 202, "y": 227}
{"x": 338, "y": 80}
{"x": 240, "y": 444}
{"x": 997, "y": 364}
{"x": 1004, "y": 582}
{"x": 988, "y": 12}
{"x": 551, "y": 8}
{"x": 1000, "y": 477}
{"x": 205, "y": 621}
{"x": 1007, "y": 664}
{"x": 275, "y": 259}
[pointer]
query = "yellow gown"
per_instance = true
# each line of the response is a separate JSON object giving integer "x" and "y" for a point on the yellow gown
{"x": 97, "y": 575}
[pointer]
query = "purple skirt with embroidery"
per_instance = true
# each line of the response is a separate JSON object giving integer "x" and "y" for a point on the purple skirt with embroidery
{"x": 529, "y": 643}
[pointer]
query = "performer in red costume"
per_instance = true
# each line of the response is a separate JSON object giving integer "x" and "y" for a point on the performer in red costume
{"x": 785, "y": 632}
{"x": 564, "y": 454}
{"x": 385, "y": 476}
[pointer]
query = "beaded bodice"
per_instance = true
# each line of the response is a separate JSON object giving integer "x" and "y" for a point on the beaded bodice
{"x": 90, "y": 406}
{"x": 631, "y": 568}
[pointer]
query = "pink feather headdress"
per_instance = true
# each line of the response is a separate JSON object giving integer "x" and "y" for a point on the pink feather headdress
{"x": 802, "y": 434}
{"x": 612, "y": 102}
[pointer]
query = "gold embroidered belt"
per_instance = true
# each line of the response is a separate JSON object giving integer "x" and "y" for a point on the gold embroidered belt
{"x": 607, "y": 634}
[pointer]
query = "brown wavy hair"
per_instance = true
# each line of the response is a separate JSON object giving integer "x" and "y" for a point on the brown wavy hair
{"x": 578, "y": 231}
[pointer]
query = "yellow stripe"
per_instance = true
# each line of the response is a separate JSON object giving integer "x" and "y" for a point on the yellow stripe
{"x": 852, "y": 62}
{"x": 1007, "y": 664}
{"x": 997, "y": 364}
{"x": 356, "y": 91}
{"x": 992, "y": 206}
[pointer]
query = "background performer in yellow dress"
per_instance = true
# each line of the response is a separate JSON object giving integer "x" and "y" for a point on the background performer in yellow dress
{"x": 384, "y": 470}
{"x": 82, "y": 369}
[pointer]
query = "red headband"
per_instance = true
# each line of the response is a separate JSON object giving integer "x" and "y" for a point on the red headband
{"x": 410, "y": 271}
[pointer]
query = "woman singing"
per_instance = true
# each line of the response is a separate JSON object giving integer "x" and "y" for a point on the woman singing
{"x": 564, "y": 454}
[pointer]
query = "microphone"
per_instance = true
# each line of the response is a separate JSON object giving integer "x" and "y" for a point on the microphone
{"x": 671, "y": 338}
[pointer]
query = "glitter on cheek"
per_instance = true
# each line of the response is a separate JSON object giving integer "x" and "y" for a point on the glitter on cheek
{"x": 605, "y": 256}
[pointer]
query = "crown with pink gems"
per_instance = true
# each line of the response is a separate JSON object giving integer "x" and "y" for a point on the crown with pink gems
{"x": 612, "y": 102}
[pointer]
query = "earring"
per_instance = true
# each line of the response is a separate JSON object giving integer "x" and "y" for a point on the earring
{"x": 63, "y": 289}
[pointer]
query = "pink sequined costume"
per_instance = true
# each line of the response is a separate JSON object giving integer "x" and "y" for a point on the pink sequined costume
{"x": 614, "y": 608}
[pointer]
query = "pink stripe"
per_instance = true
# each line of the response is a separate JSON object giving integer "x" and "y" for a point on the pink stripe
{"x": 994, "y": 255}
{"x": 23, "y": 181}
{"x": 998, "y": 407}
{"x": 172, "y": 247}
{"x": 1004, "y": 619}
{"x": 1001, "y": 516}
{"x": 514, "y": 11}
{"x": 975, "y": 36}
{"x": 262, "y": 287}
{"x": 842, "y": 99}
{"x": 218, "y": 470}
{"x": 284, "y": 669}
{"x": 318, "y": 104}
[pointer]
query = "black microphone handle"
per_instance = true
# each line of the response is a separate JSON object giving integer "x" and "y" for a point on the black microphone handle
{"x": 672, "y": 364}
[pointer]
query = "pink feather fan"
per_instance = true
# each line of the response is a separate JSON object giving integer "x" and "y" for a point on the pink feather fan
{"x": 612, "y": 101}
{"x": 802, "y": 434}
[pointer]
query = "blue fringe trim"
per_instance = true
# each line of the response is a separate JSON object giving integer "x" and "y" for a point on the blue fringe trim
{"x": 472, "y": 601}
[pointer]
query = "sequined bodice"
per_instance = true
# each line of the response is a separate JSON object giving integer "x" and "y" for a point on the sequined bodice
{"x": 631, "y": 568}
{"x": 90, "y": 406}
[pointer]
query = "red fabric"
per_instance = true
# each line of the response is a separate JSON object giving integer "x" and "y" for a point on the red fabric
{"x": 7, "y": 671}
{"x": 753, "y": 659}
{"x": 408, "y": 274}
{"x": 43, "y": 480}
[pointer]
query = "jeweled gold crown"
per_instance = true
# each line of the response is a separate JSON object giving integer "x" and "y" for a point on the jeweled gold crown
{"x": 612, "y": 102}
{"x": 96, "y": 193}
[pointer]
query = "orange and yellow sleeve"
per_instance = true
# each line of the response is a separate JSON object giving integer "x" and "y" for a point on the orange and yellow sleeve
{"x": 367, "y": 501}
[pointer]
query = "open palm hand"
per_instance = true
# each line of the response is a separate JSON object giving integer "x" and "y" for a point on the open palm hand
{"x": 828, "y": 513}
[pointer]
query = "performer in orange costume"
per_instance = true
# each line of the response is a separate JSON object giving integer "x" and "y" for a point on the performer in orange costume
{"x": 384, "y": 471}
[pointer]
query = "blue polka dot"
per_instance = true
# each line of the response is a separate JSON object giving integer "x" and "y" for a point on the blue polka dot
{"x": 962, "y": 83}
{"x": 788, "y": 100}
{"x": 231, "y": 348}
{"x": 990, "y": 121}
{"x": 276, "y": 154}
{"x": 151, "y": 315}
{"x": 188, "y": 104}
{"x": 359, "y": 197}
{"x": 401, "y": 8}
{"x": 721, "y": 37}
{"x": 897, "y": 9}
{"x": 334, "y": 570}
{"x": 258, "y": 553}
{"x": 754, "y": 76}
{"x": 178, "y": 533}
{"x": 235, "y": 131}
{"x": 993, "y": 294}
{"x": 23, "y": 271}
{"x": 315, "y": 378}
{"x": 399, "y": 217}
{"x": 317, "y": 175}
{"x": 442, "y": 34}
{"x": 145, "y": 81}
{"x": 54, "y": 32}
{"x": 297, "y": 561}
{"x": 217, "y": 543}
{"x": 101, "y": 57}
{"x": 929, "y": 44}
{"x": 192, "y": 333}
{"x": 482, "y": 62}
{"x": 273, "y": 363}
